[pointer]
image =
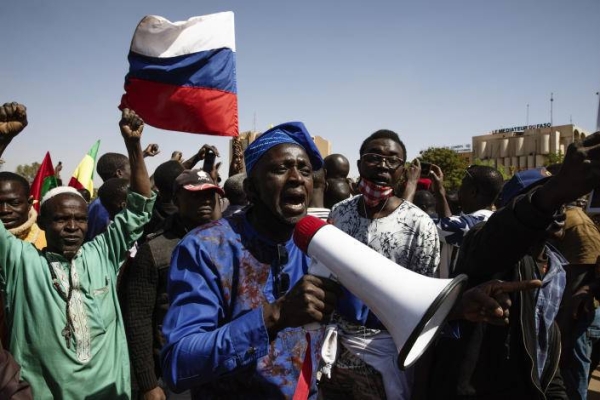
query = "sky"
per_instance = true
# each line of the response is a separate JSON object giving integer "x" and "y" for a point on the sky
{"x": 435, "y": 71}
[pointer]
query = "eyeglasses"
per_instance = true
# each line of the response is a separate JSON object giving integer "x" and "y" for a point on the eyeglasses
{"x": 282, "y": 280}
{"x": 375, "y": 159}
{"x": 468, "y": 173}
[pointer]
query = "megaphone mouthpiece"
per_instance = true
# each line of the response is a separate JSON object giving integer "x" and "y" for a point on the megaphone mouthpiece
{"x": 305, "y": 230}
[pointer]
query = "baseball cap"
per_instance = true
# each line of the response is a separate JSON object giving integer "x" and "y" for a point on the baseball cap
{"x": 196, "y": 180}
{"x": 522, "y": 182}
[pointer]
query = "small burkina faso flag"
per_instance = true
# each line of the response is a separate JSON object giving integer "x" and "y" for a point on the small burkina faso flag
{"x": 44, "y": 181}
{"x": 83, "y": 177}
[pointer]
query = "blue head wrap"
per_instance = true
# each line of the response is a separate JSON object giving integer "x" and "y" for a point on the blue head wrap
{"x": 289, "y": 132}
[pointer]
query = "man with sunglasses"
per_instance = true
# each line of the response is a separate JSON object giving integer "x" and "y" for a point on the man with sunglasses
{"x": 403, "y": 233}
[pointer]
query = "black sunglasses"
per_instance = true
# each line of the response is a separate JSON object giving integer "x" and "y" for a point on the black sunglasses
{"x": 282, "y": 280}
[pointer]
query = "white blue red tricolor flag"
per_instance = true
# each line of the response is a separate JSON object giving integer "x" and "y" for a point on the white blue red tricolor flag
{"x": 182, "y": 74}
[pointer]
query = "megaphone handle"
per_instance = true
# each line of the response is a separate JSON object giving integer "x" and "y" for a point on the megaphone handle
{"x": 316, "y": 268}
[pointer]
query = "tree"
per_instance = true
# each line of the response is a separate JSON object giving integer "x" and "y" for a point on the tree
{"x": 554, "y": 158}
{"x": 452, "y": 164}
{"x": 28, "y": 171}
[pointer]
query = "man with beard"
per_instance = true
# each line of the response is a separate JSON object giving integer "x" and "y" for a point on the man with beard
{"x": 238, "y": 290}
{"x": 403, "y": 233}
{"x": 66, "y": 330}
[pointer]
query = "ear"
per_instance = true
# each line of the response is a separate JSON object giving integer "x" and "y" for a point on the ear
{"x": 250, "y": 189}
{"x": 30, "y": 201}
{"x": 41, "y": 222}
{"x": 474, "y": 191}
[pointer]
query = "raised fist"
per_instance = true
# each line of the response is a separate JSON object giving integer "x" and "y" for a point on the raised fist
{"x": 13, "y": 119}
{"x": 151, "y": 150}
{"x": 176, "y": 155}
{"x": 131, "y": 125}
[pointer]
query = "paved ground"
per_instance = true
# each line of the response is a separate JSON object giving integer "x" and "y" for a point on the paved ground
{"x": 594, "y": 389}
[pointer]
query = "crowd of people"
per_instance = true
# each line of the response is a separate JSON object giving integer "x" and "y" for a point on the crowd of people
{"x": 176, "y": 286}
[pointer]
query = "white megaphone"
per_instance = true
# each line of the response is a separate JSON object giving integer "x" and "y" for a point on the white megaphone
{"x": 411, "y": 306}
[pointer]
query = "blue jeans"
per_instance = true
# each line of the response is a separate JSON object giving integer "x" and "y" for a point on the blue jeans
{"x": 586, "y": 332}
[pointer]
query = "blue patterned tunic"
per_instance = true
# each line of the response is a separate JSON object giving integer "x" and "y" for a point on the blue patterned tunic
{"x": 217, "y": 343}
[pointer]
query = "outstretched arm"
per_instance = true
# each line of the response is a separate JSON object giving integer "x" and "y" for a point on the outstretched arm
{"x": 131, "y": 126}
{"x": 523, "y": 222}
{"x": 13, "y": 119}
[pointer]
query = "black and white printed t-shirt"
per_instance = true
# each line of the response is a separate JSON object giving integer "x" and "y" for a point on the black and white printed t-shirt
{"x": 407, "y": 236}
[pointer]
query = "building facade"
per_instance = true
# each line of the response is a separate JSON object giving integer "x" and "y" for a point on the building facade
{"x": 525, "y": 147}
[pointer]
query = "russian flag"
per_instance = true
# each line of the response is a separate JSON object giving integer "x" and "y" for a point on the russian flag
{"x": 182, "y": 74}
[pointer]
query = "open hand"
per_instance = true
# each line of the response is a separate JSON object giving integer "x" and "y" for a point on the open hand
{"x": 13, "y": 119}
{"x": 413, "y": 172}
{"x": 437, "y": 179}
{"x": 204, "y": 149}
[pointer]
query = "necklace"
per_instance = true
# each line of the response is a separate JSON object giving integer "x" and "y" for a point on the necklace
{"x": 370, "y": 220}
{"x": 380, "y": 210}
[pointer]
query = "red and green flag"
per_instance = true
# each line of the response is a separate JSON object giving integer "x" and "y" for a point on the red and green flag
{"x": 44, "y": 181}
{"x": 83, "y": 177}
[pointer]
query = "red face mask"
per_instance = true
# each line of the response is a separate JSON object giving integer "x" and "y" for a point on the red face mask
{"x": 373, "y": 194}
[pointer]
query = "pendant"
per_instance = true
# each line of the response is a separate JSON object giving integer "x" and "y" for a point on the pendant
{"x": 67, "y": 335}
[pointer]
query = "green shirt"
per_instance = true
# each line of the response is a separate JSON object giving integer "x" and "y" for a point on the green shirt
{"x": 95, "y": 365}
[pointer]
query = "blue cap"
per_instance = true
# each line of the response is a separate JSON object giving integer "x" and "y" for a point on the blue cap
{"x": 289, "y": 132}
{"x": 521, "y": 182}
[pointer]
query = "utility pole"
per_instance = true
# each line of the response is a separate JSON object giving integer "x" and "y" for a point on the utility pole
{"x": 598, "y": 118}
{"x": 551, "y": 104}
